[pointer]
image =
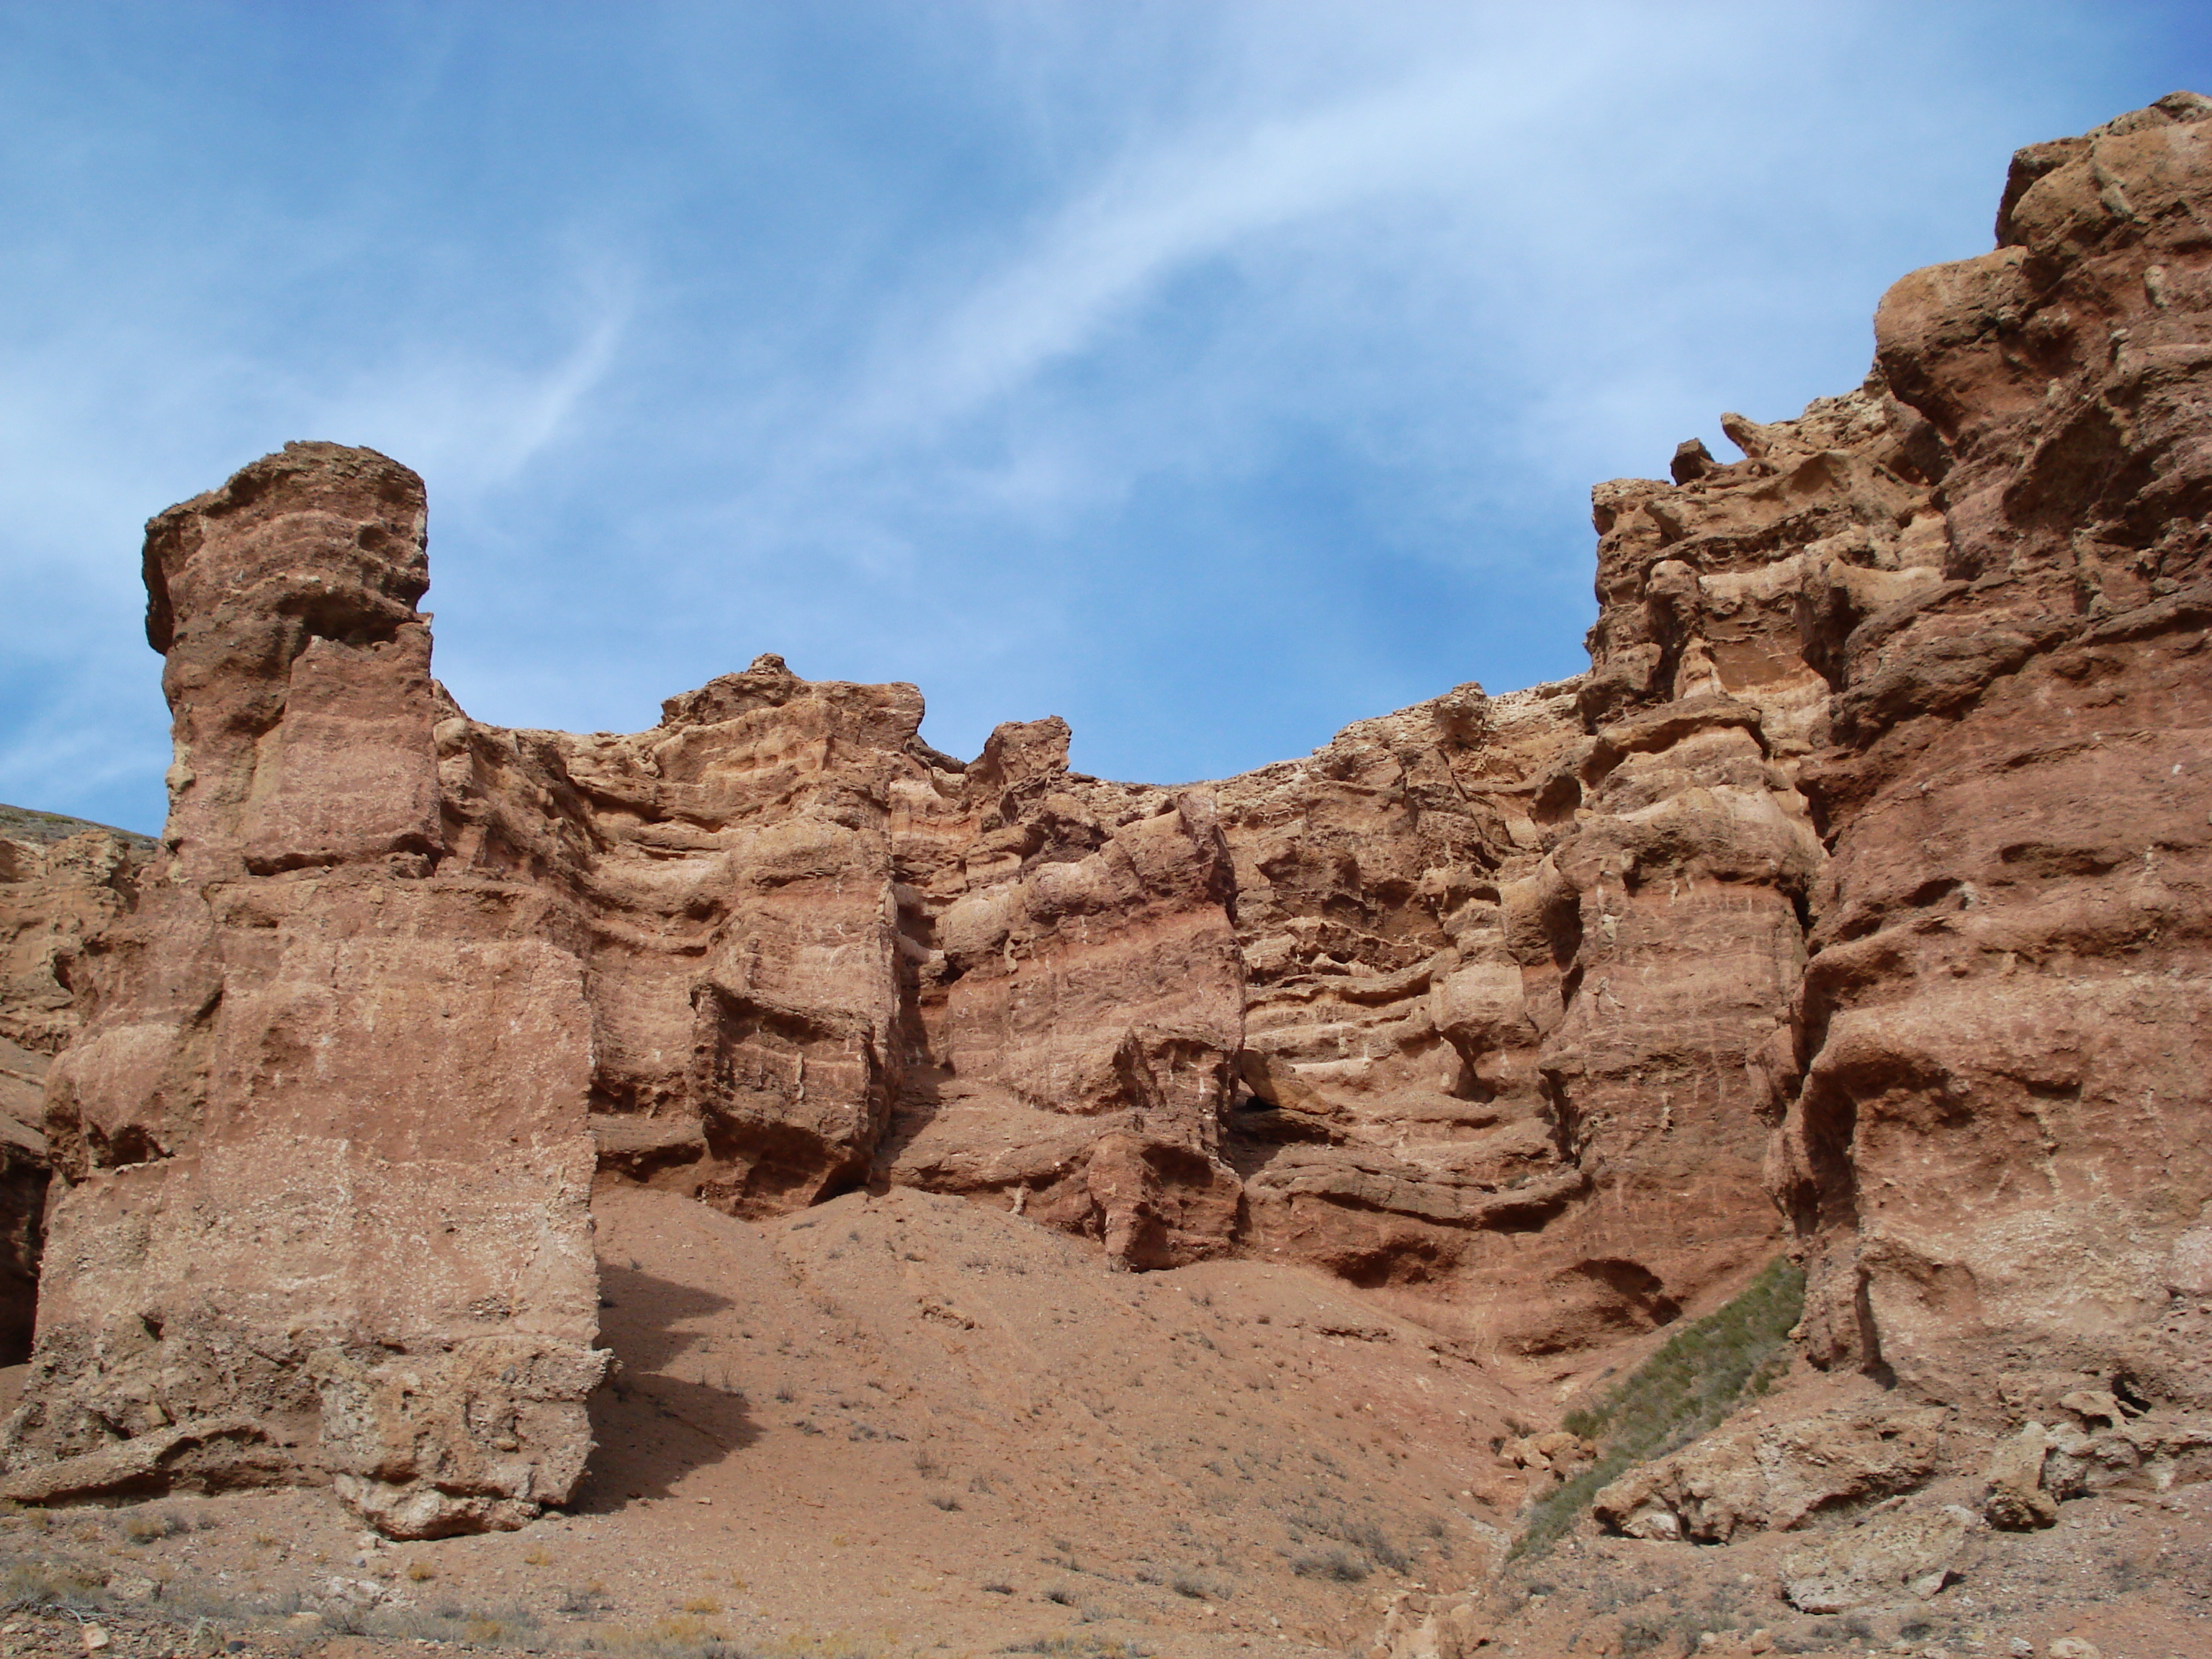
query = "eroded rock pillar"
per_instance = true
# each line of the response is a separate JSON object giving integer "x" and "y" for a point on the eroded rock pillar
{"x": 324, "y": 1136}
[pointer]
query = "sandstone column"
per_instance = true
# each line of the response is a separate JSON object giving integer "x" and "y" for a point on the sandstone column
{"x": 325, "y": 1135}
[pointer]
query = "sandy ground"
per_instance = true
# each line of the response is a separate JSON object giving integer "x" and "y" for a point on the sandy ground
{"x": 909, "y": 1414}
{"x": 908, "y": 1424}
{"x": 901, "y": 1424}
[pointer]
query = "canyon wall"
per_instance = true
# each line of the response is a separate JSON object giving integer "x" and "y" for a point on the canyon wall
{"x": 1854, "y": 902}
{"x": 63, "y": 884}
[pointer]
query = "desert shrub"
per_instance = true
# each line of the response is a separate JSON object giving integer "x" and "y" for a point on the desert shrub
{"x": 1335, "y": 1566}
{"x": 47, "y": 1584}
{"x": 151, "y": 1526}
{"x": 1646, "y": 1633}
{"x": 340, "y": 1619}
{"x": 448, "y": 1622}
{"x": 1198, "y": 1586}
{"x": 682, "y": 1637}
{"x": 581, "y": 1602}
{"x": 1697, "y": 1377}
{"x": 1370, "y": 1539}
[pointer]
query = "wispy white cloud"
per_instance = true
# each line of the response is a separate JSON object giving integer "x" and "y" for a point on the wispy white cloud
{"x": 480, "y": 422}
{"x": 1499, "y": 189}
{"x": 1112, "y": 361}
{"x": 1112, "y": 247}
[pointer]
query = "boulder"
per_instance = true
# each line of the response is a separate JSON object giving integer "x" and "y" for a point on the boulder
{"x": 2015, "y": 1499}
{"x": 1907, "y": 1554}
{"x": 1777, "y": 1476}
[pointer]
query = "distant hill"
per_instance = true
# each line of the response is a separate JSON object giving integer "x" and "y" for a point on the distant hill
{"x": 23, "y": 823}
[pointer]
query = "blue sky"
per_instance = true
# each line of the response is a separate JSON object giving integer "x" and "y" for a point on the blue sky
{"x": 1210, "y": 375}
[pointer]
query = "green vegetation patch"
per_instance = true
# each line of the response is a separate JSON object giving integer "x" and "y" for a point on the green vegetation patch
{"x": 1698, "y": 1377}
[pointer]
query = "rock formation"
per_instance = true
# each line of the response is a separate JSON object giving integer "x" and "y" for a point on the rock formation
{"x": 324, "y": 1130}
{"x": 63, "y": 882}
{"x": 1998, "y": 1138}
{"x": 1854, "y": 902}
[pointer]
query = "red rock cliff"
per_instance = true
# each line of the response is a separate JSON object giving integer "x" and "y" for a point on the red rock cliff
{"x": 323, "y": 1133}
{"x": 1854, "y": 902}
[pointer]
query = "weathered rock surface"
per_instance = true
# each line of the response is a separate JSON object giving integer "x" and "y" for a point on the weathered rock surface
{"x": 1766, "y": 1476}
{"x": 2015, "y": 1499}
{"x": 2094, "y": 1444}
{"x": 1880, "y": 1560}
{"x": 1418, "y": 1627}
{"x": 1855, "y": 901}
{"x": 63, "y": 882}
{"x": 1299, "y": 1013}
{"x": 324, "y": 1130}
{"x": 1968, "y": 606}
{"x": 1999, "y": 1138}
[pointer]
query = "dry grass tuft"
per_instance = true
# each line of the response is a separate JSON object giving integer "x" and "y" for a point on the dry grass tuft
{"x": 152, "y": 1527}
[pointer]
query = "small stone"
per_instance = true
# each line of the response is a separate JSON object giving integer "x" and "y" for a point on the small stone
{"x": 94, "y": 1639}
{"x": 1692, "y": 460}
{"x": 2020, "y": 1648}
{"x": 2015, "y": 1499}
{"x": 2073, "y": 1647}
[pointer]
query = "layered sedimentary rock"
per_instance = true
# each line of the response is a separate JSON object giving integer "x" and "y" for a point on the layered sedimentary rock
{"x": 2000, "y": 1138}
{"x": 325, "y": 1130}
{"x": 1853, "y": 903}
{"x": 823, "y": 953}
{"x": 1303, "y": 1013}
{"x": 1505, "y": 976}
{"x": 63, "y": 884}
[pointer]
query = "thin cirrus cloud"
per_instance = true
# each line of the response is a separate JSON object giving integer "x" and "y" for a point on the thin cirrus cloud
{"x": 1211, "y": 374}
{"x": 1119, "y": 241}
{"x": 481, "y": 425}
